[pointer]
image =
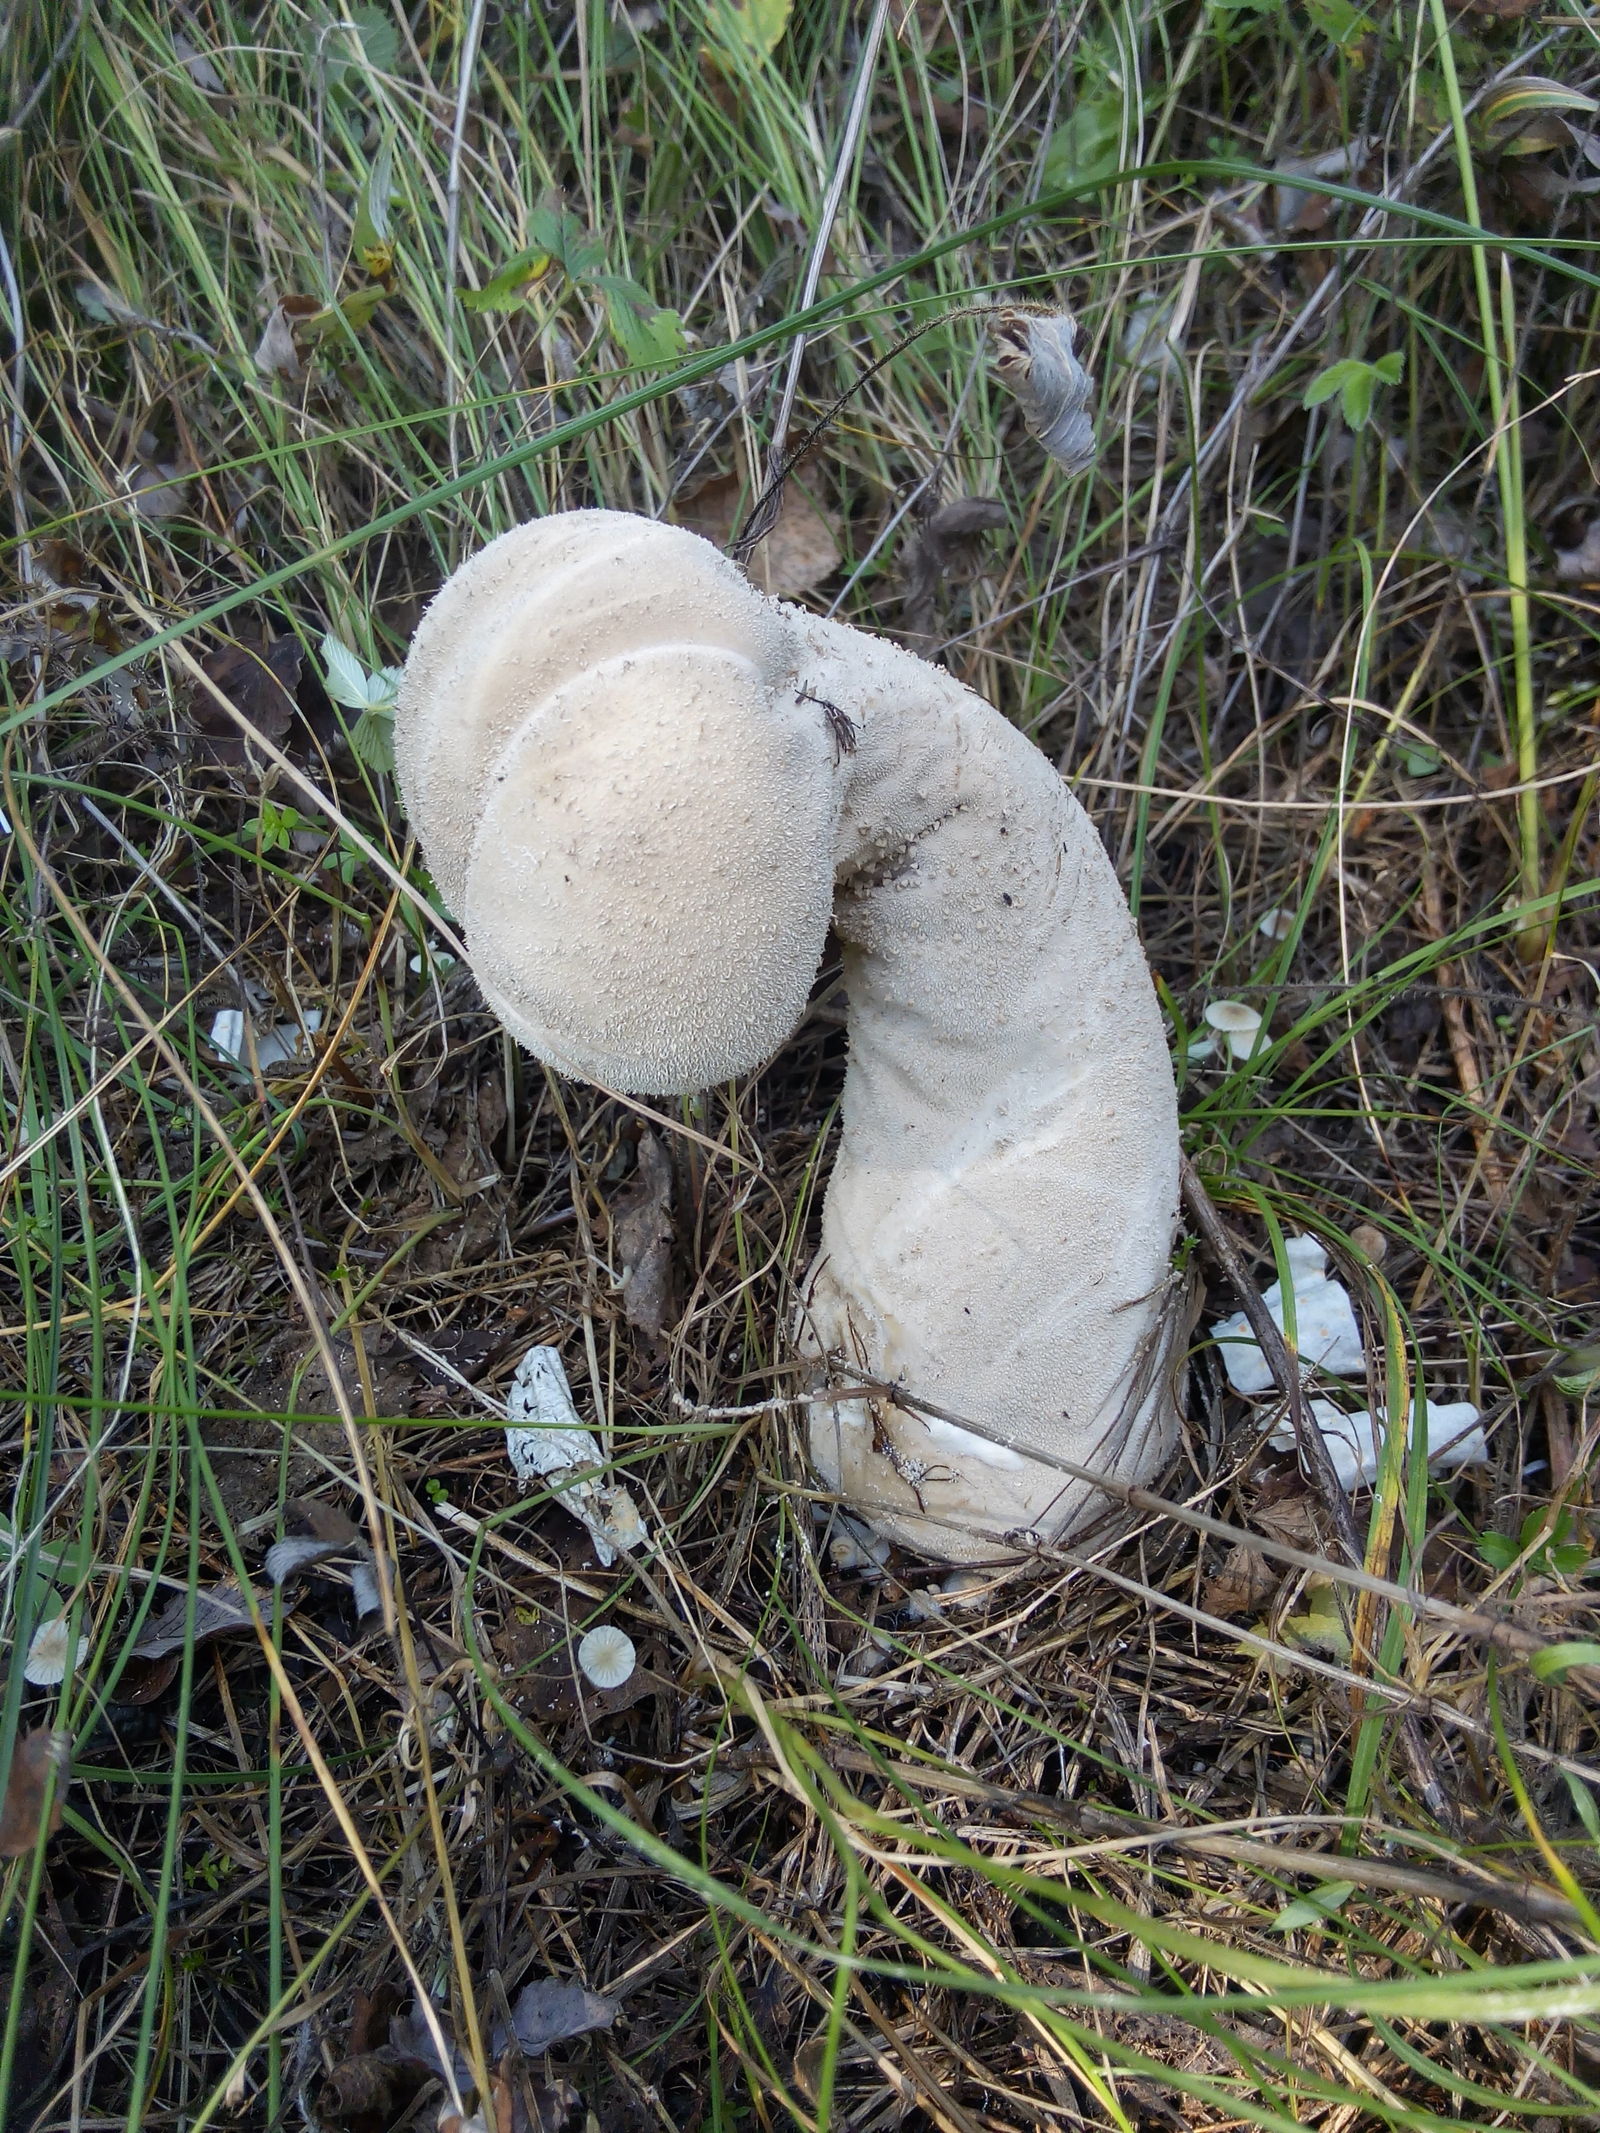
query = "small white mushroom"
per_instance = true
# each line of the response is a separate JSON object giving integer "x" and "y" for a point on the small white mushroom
{"x": 607, "y": 1656}
{"x": 1240, "y": 1024}
{"x": 647, "y": 791}
{"x": 51, "y": 1656}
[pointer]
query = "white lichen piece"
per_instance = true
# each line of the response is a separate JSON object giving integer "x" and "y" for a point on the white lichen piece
{"x": 1355, "y": 1440}
{"x": 1326, "y": 1334}
{"x": 547, "y": 1442}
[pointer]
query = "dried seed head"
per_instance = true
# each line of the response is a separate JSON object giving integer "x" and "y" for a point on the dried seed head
{"x": 50, "y": 1655}
{"x": 607, "y": 1656}
{"x": 1035, "y": 360}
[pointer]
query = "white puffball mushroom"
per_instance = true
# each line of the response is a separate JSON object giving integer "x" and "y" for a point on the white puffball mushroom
{"x": 50, "y": 1653}
{"x": 1240, "y": 1025}
{"x": 648, "y": 790}
{"x": 607, "y": 1656}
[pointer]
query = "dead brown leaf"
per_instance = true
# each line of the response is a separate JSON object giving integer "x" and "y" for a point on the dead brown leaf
{"x": 1244, "y": 1584}
{"x": 278, "y": 352}
{"x": 800, "y": 552}
{"x": 641, "y": 1240}
{"x": 525, "y": 2106}
{"x": 260, "y": 682}
{"x": 1286, "y": 1511}
{"x": 38, "y": 1757}
{"x": 158, "y": 490}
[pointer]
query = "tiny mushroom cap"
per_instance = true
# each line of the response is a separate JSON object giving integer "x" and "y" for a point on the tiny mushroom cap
{"x": 607, "y": 1656}
{"x": 50, "y": 1655}
{"x": 1240, "y": 1024}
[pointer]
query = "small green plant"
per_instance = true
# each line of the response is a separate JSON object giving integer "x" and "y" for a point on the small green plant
{"x": 275, "y": 825}
{"x": 1562, "y": 1551}
{"x": 370, "y": 694}
{"x": 1356, "y": 382}
{"x": 645, "y": 332}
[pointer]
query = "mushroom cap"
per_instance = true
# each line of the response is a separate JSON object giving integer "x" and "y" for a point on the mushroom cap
{"x": 621, "y": 796}
{"x": 607, "y": 1657}
{"x": 51, "y": 1656}
{"x": 1239, "y": 1023}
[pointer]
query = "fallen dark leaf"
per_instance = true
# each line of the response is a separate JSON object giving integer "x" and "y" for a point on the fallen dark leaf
{"x": 142, "y": 1680}
{"x": 1286, "y": 1511}
{"x": 541, "y": 1674}
{"x": 38, "y": 1757}
{"x": 158, "y": 490}
{"x": 641, "y": 1239}
{"x": 258, "y": 682}
{"x": 550, "y": 2010}
{"x": 370, "y": 2018}
{"x": 324, "y": 1521}
{"x": 950, "y": 540}
{"x": 411, "y": 2037}
{"x": 221, "y": 1612}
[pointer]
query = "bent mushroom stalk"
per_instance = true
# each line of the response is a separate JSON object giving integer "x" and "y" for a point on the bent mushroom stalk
{"x": 647, "y": 790}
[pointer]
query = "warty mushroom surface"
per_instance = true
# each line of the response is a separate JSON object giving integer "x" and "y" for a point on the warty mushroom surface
{"x": 647, "y": 789}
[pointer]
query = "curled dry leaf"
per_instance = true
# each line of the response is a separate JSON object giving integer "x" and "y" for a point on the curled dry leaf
{"x": 39, "y": 1757}
{"x": 641, "y": 1239}
{"x": 158, "y": 490}
{"x": 1035, "y": 359}
{"x": 547, "y": 1443}
{"x": 800, "y": 552}
{"x": 1300, "y": 208}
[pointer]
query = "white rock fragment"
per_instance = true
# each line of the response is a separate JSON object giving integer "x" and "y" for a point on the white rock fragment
{"x": 607, "y": 1656}
{"x": 282, "y": 1043}
{"x": 1355, "y": 1441}
{"x": 50, "y": 1654}
{"x": 1240, "y": 1025}
{"x": 547, "y": 1442}
{"x": 227, "y": 1032}
{"x": 1326, "y": 1334}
